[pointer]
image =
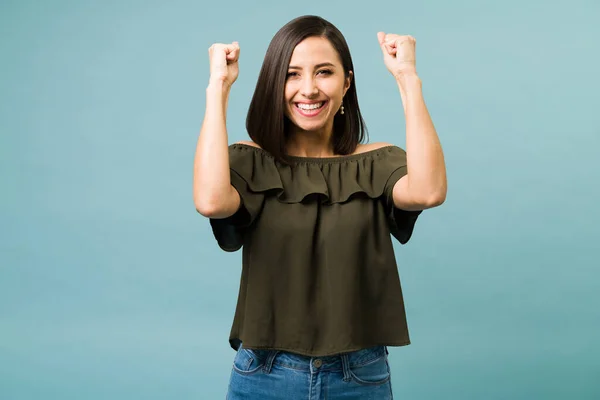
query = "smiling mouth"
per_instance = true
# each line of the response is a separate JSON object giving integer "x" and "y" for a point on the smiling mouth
{"x": 308, "y": 109}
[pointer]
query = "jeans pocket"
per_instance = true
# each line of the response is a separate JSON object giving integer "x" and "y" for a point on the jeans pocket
{"x": 248, "y": 361}
{"x": 375, "y": 372}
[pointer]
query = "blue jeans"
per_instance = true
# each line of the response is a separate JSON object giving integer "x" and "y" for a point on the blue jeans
{"x": 277, "y": 375}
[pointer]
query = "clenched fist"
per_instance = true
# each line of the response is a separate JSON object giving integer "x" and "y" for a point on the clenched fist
{"x": 224, "y": 65}
{"x": 398, "y": 53}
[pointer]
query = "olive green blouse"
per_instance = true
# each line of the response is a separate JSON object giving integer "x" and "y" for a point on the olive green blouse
{"x": 319, "y": 274}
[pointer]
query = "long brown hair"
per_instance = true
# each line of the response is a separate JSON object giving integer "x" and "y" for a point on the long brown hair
{"x": 266, "y": 122}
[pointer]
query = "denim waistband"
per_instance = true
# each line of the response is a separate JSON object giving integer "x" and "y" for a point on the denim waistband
{"x": 335, "y": 362}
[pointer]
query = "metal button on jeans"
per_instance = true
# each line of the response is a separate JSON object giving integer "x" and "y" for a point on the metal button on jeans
{"x": 317, "y": 363}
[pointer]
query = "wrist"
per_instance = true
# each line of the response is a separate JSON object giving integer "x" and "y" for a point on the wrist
{"x": 218, "y": 85}
{"x": 408, "y": 81}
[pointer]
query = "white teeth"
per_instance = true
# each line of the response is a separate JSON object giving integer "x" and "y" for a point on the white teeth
{"x": 310, "y": 106}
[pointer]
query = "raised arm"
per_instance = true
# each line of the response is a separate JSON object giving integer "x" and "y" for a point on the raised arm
{"x": 424, "y": 185}
{"x": 213, "y": 195}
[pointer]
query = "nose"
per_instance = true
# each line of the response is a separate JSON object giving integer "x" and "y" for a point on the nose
{"x": 309, "y": 88}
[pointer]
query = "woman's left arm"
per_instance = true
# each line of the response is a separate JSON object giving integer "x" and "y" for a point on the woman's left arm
{"x": 424, "y": 185}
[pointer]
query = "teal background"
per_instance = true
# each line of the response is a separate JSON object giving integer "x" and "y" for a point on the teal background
{"x": 112, "y": 286}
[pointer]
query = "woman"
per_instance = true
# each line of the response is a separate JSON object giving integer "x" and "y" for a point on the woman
{"x": 314, "y": 209}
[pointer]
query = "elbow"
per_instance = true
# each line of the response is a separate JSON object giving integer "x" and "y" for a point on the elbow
{"x": 436, "y": 199}
{"x": 213, "y": 209}
{"x": 217, "y": 206}
{"x": 206, "y": 208}
{"x": 436, "y": 202}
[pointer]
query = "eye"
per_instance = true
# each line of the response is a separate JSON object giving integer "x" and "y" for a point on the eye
{"x": 324, "y": 71}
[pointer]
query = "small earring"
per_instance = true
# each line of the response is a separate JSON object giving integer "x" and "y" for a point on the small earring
{"x": 342, "y": 108}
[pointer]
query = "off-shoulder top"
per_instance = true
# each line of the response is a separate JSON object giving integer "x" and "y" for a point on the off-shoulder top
{"x": 319, "y": 273}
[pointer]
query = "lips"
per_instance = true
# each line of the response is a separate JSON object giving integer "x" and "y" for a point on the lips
{"x": 322, "y": 102}
{"x": 310, "y": 112}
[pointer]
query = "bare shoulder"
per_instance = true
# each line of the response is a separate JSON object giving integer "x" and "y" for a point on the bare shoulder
{"x": 363, "y": 148}
{"x": 248, "y": 143}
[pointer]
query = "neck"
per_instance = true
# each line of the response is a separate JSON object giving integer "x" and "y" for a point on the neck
{"x": 309, "y": 144}
{"x": 317, "y": 143}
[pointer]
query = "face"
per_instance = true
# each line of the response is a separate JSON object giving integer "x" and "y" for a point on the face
{"x": 315, "y": 85}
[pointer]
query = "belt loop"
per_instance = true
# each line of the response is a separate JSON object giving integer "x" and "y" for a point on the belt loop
{"x": 386, "y": 350}
{"x": 269, "y": 361}
{"x": 346, "y": 367}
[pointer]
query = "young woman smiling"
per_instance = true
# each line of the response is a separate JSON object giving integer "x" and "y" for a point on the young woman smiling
{"x": 315, "y": 211}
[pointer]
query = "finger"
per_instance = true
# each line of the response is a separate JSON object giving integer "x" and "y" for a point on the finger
{"x": 231, "y": 50}
{"x": 391, "y": 45}
{"x": 234, "y": 55}
{"x": 218, "y": 47}
{"x": 385, "y": 45}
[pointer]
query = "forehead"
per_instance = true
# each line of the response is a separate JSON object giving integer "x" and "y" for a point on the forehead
{"x": 314, "y": 50}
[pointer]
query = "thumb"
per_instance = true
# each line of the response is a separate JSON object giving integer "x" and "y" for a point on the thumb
{"x": 232, "y": 51}
{"x": 385, "y": 47}
{"x": 380, "y": 37}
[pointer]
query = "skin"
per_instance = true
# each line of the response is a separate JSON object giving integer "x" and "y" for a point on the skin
{"x": 425, "y": 184}
{"x": 309, "y": 82}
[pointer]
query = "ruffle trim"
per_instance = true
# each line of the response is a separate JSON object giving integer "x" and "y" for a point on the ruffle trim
{"x": 333, "y": 179}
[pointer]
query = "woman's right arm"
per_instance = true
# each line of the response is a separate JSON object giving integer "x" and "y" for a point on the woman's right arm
{"x": 214, "y": 197}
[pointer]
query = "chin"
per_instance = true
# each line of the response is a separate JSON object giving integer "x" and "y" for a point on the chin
{"x": 317, "y": 125}
{"x": 309, "y": 127}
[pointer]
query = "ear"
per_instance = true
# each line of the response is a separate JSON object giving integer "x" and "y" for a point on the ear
{"x": 347, "y": 82}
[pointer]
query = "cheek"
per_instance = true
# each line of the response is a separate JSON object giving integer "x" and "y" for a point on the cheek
{"x": 289, "y": 91}
{"x": 334, "y": 90}
{"x": 287, "y": 98}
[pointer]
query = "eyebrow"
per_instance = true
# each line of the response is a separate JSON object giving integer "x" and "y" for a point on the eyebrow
{"x": 325, "y": 64}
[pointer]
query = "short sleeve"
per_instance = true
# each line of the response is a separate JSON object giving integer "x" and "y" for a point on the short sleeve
{"x": 252, "y": 173}
{"x": 401, "y": 222}
{"x": 230, "y": 232}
